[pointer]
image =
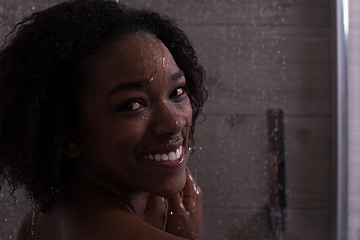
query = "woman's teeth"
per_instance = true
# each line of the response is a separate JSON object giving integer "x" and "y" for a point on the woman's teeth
{"x": 171, "y": 156}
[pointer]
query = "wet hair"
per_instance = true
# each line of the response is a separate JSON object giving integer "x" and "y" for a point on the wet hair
{"x": 42, "y": 71}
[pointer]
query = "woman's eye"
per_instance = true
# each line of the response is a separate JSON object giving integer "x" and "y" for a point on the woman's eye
{"x": 178, "y": 92}
{"x": 131, "y": 106}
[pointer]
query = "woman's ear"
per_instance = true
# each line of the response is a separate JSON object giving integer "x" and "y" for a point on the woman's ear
{"x": 72, "y": 149}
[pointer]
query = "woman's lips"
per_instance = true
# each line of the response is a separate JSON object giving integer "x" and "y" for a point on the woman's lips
{"x": 172, "y": 156}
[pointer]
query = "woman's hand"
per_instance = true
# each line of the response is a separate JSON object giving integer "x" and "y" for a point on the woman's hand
{"x": 155, "y": 211}
{"x": 184, "y": 216}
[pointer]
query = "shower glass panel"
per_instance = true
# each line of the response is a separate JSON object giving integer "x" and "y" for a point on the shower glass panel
{"x": 259, "y": 56}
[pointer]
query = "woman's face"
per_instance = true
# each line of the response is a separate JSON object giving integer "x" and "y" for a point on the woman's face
{"x": 135, "y": 118}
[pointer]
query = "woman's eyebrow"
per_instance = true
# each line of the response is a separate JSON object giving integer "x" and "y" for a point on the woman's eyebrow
{"x": 176, "y": 76}
{"x": 140, "y": 83}
{"x": 128, "y": 86}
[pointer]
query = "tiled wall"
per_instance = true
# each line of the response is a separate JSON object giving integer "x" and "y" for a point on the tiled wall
{"x": 258, "y": 54}
{"x": 354, "y": 121}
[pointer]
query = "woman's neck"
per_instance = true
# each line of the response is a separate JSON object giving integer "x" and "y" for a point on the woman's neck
{"x": 129, "y": 200}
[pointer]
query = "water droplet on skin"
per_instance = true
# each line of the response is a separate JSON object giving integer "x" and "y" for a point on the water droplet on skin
{"x": 32, "y": 223}
{"x": 163, "y": 62}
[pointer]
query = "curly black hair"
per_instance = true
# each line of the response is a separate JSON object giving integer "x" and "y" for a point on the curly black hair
{"x": 42, "y": 73}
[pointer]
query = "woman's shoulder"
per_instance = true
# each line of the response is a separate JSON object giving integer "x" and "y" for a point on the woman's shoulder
{"x": 59, "y": 224}
{"x": 115, "y": 224}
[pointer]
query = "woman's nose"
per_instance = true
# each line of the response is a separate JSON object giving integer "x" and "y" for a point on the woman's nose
{"x": 168, "y": 120}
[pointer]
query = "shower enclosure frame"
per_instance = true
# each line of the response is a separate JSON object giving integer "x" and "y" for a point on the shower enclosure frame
{"x": 341, "y": 24}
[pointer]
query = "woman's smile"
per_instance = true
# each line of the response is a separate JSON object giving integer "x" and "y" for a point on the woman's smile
{"x": 170, "y": 156}
{"x": 173, "y": 159}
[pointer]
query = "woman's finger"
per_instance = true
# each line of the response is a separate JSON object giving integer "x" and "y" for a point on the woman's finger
{"x": 184, "y": 216}
{"x": 192, "y": 196}
{"x": 155, "y": 211}
{"x": 178, "y": 220}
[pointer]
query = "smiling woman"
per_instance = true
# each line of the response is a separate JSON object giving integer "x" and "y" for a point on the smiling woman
{"x": 120, "y": 132}
{"x": 98, "y": 107}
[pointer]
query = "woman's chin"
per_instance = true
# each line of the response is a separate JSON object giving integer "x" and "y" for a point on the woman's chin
{"x": 172, "y": 190}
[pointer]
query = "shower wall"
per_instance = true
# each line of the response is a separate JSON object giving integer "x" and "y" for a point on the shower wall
{"x": 258, "y": 55}
{"x": 261, "y": 54}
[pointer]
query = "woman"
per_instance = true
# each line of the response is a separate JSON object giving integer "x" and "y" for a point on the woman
{"x": 98, "y": 107}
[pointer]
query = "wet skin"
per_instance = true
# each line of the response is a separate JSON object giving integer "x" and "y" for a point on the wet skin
{"x": 134, "y": 107}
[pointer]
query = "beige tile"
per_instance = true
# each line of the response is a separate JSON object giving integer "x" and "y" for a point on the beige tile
{"x": 253, "y": 12}
{"x": 308, "y": 162}
{"x": 252, "y": 69}
{"x": 232, "y": 162}
{"x": 230, "y": 224}
{"x": 314, "y": 224}
{"x": 246, "y": 12}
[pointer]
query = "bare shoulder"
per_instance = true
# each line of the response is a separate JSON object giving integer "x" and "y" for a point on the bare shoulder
{"x": 128, "y": 226}
{"x": 118, "y": 225}
{"x": 60, "y": 224}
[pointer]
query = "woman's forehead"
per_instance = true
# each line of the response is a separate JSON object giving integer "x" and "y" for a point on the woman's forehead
{"x": 136, "y": 57}
{"x": 136, "y": 54}
{"x": 142, "y": 47}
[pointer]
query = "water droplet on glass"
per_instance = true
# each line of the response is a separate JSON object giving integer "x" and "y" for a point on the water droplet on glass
{"x": 190, "y": 149}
